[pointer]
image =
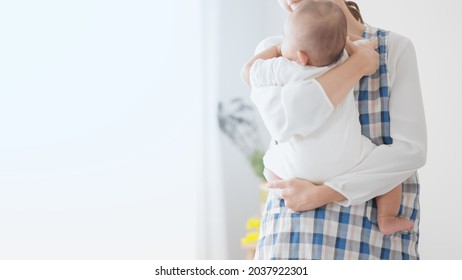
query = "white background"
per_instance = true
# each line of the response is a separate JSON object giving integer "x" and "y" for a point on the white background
{"x": 109, "y": 146}
{"x": 100, "y": 129}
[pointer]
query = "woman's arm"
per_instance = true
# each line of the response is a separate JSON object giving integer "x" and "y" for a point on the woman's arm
{"x": 388, "y": 165}
{"x": 363, "y": 61}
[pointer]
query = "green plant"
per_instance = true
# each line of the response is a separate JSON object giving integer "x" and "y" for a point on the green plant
{"x": 256, "y": 160}
{"x": 237, "y": 120}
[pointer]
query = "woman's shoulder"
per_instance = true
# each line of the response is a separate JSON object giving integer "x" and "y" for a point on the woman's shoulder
{"x": 398, "y": 39}
{"x": 401, "y": 54}
{"x": 399, "y": 44}
{"x": 396, "y": 42}
{"x": 268, "y": 42}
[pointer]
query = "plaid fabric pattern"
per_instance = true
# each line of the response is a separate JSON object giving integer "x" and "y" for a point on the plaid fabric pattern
{"x": 334, "y": 231}
{"x": 372, "y": 96}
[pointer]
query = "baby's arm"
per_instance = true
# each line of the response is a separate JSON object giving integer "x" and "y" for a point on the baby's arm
{"x": 273, "y": 51}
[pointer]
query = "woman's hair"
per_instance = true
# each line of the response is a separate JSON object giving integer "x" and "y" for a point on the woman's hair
{"x": 354, "y": 10}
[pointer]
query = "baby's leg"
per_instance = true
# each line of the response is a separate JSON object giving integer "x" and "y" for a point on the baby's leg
{"x": 388, "y": 208}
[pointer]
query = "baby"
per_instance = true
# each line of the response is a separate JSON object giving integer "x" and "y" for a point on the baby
{"x": 313, "y": 147}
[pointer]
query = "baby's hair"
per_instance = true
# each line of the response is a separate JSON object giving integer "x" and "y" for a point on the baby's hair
{"x": 320, "y": 29}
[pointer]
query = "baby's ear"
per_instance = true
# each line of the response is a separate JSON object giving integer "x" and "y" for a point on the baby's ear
{"x": 303, "y": 58}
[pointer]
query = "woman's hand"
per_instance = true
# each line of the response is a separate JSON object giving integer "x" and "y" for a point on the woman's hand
{"x": 364, "y": 52}
{"x": 302, "y": 195}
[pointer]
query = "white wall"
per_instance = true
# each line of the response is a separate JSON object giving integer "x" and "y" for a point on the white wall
{"x": 100, "y": 129}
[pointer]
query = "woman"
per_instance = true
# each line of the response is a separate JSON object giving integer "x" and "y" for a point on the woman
{"x": 337, "y": 220}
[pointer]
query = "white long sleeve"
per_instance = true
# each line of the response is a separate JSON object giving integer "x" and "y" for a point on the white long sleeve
{"x": 389, "y": 165}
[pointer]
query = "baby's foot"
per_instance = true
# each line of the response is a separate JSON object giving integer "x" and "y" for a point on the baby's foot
{"x": 390, "y": 225}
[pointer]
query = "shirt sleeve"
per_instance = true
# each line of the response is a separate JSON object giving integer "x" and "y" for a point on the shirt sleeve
{"x": 266, "y": 72}
{"x": 268, "y": 42}
{"x": 389, "y": 165}
{"x": 298, "y": 108}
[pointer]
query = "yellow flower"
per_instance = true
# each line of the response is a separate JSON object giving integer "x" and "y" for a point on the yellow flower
{"x": 250, "y": 238}
{"x": 253, "y": 223}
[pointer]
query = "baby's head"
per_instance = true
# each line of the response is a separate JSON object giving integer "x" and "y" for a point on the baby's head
{"x": 315, "y": 34}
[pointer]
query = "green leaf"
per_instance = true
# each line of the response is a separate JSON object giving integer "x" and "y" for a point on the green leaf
{"x": 256, "y": 160}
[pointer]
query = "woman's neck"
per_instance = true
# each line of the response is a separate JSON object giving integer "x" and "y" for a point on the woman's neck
{"x": 355, "y": 27}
